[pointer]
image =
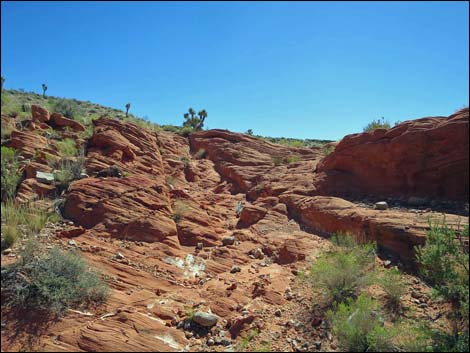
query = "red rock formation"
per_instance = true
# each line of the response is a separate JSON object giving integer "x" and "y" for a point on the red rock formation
{"x": 59, "y": 121}
{"x": 40, "y": 115}
{"x": 428, "y": 157}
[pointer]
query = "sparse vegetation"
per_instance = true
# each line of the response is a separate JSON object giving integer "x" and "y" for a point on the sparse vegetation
{"x": 392, "y": 283}
{"x": 249, "y": 132}
{"x": 128, "y": 106}
{"x": 342, "y": 272}
{"x": 67, "y": 147}
{"x": 10, "y": 175}
{"x": 247, "y": 339}
{"x": 292, "y": 159}
{"x": 328, "y": 149}
{"x": 44, "y": 89}
{"x": 200, "y": 154}
{"x": 180, "y": 209}
{"x": 50, "y": 282}
{"x": 377, "y": 124}
{"x": 27, "y": 217}
{"x": 444, "y": 264}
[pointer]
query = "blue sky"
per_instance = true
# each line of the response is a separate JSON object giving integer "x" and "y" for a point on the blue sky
{"x": 304, "y": 69}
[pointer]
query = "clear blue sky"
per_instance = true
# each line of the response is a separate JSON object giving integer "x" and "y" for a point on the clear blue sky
{"x": 307, "y": 69}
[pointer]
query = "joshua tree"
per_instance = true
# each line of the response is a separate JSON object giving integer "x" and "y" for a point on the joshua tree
{"x": 3, "y": 81}
{"x": 196, "y": 122}
{"x": 128, "y": 106}
{"x": 44, "y": 89}
{"x": 249, "y": 132}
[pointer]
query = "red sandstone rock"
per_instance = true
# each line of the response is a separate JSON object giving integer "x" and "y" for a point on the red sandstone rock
{"x": 428, "y": 157}
{"x": 250, "y": 215}
{"x": 59, "y": 121}
{"x": 40, "y": 115}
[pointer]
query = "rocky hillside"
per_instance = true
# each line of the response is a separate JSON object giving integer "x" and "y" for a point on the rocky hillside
{"x": 218, "y": 225}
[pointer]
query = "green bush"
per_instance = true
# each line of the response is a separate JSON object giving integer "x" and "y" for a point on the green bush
{"x": 342, "y": 272}
{"x": 444, "y": 262}
{"x": 377, "y": 124}
{"x": 392, "y": 283}
{"x": 401, "y": 337}
{"x": 67, "y": 147}
{"x": 30, "y": 217}
{"x": 10, "y": 173}
{"x": 51, "y": 282}
{"x": 353, "y": 321}
{"x": 68, "y": 108}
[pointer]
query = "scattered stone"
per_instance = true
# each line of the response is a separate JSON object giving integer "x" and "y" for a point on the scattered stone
{"x": 228, "y": 241}
{"x": 199, "y": 246}
{"x": 205, "y": 319}
{"x": 188, "y": 334}
{"x": 6, "y": 251}
{"x": 120, "y": 256}
{"x": 210, "y": 342}
{"x": 46, "y": 178}
{"x": 72, "y": 243}
{"x": 278, "y": 313}
{"x": 317, "y": 344}
{"x": 387, "y": 263}
{"x": 416, "y": 295}
{"x": 381, "y": 205}
{"x": 84, "y": 175}
{"x": 235, "y": 269}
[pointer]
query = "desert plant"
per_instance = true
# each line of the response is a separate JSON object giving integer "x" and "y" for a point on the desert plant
{"x": 10, "y": 175}
{"x": 200, "y": 154}
{"x": 377, "y": 124}
{"x": 51, "y": 282}
{"x": 392, "y": 283}
{"x": 195, "y": 122}
{"x": 249, "y": 132}
{"x": 247, "y": 339}
{"x": 180, "y": 209}
{"x": 44, "y": 89}
{"x": 3, "y": 81}
{"x": 66, "y": 147}
{"x": 328, "y": 149}
{"x": 353, "y": 321}
{"x": 277, "y": 160}
{"x": 444, "y": 264}
{"x": 30, "y": 218}
{"x": 400, "y": 337}
{"x": 68, "y": 108}
{"x": 128, "y": 106}
{"x": 342, "y": 272}
{"x": 292, "y": 159}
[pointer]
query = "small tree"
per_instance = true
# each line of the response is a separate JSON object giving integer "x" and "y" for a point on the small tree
{"x": 196, "y": 122}
{"x": 44, "y": 89}
{"x": 3, "y": 81}
{"x": 128, "y": 106}
{"x": 249, "y": 132}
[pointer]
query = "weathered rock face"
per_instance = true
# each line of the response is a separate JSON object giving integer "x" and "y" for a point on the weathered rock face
{"x": 133, "y": 208}
{"x": 128, "y": 146}
{"x": 255, "y": 166}
{"x": 396, "y": 231}
{"x": 427, "y": 157}
{"x": 59, "y": 121}
{"x": 40, "y": 115}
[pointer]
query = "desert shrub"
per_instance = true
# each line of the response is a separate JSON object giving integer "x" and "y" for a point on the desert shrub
{"x": 292, "y": 159}
{"x": 194, "y": 121}
{"x": 66, "y": 147}
{"x": 247, "y": 339}
{"x": 377, "y": 124}
{"x": 180, "y": 209}
{"x": 400, "y": 337}
{"x": 68, "y": 108}
{"x": 51, "y": 282}
{"x": 30, "y": 217}
{"x": 342, "y": 272}
{"x": 327, "y": 150}
{"x": 277, "y": 160}
{"x": 201, "y": 153}
{"x": 392, "y": 283}
{"x": 10, "y": 175}
{"x": 353, "y": 321}
{"x": 444, "y": 262}
{"x": 69, "y": 170}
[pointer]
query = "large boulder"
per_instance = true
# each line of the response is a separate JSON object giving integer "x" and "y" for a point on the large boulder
{"x": 59, "y": 121}
{"x": 40, "y": 115}
{"x": 428, "y": 157}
